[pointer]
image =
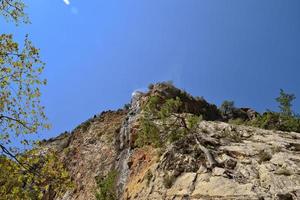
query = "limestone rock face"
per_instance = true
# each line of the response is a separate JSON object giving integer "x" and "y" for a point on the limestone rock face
{"x": 242, "y": 172}
{"x": 90, "y": 152}
{"x": 250, "y": 163}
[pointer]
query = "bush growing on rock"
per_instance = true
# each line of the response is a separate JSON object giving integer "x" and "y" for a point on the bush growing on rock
{"x": 237, "y": 121}
{"x": 148, "y": 134}
{"x": 285, "y": 120}
{"x": 169, "y": 121}
{"x": 227, "y": 108}
{"x": 193, "y": 120}
{"x": 274, "y": 121}
{"x": 106, "y": 186}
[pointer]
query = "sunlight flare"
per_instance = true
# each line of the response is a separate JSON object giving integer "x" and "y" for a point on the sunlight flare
{"x": 67, "y": 2}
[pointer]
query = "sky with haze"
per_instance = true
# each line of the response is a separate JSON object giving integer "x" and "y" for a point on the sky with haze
{"x": 99, "y": 51}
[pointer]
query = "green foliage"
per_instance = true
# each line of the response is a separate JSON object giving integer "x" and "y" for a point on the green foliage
{"x": 158, "y": 109}
{"x": 20, "y": 70}
{"x": 173, "y": 125}
{"x": 20, "y": 81}
{"x": 237, "y": 121}
{"x": 269, "y": 120}
{"x": 148, "y": 134}
{"x": 285, "y": 120}
{"x": 192, "y": 121}
{"x": 38, "y": 175}
{"x": 152, "y": 106}
{"x": 32, "y": 174}
{"x": 13, "y": 10}
{"x": 290, "y": 123}
{"x": 276, "y": 121}
{"x": 107, "y": 187}
{"x": 176, "y": 134}
{"x": 285, "y": 102}
{"x": 227, "y": 108}
{"x": 170, "y": 106}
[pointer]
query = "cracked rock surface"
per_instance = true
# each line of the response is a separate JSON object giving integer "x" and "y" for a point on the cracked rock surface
{"x": 243, "y": 171}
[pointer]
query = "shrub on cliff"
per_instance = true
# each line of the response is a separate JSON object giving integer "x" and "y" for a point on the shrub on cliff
{"x": 162, "y": 122}
{"x": 285, "y": 103}
{"x": 285, "y": 120}
{"x": 227, "y": 108}
{"x": 106, "y": 187}
{"x": 148, "y": 134}
{"x": 275, "y": 121}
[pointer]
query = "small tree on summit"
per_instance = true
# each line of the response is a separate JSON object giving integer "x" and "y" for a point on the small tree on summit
{"x": 285, "y": 103}
{"x": 227, "y": 108}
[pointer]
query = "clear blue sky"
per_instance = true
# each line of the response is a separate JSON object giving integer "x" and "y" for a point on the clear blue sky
{"x": 97, "y": 52}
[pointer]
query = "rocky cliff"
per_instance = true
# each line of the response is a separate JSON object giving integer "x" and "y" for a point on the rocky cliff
{"x": 215, "y": 160}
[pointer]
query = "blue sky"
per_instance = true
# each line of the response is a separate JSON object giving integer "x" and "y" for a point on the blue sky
{"x": 98, "y": 52}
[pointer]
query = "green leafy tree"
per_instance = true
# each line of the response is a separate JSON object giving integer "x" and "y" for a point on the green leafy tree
{"x": 149, "y": 134}
{"x": 13, "y": 10}
{"x": 173, "y": 124}
{"x": 285, "y": 102}
{"x": 227, "y": 108}
{"x": 20, "y": 81}
{"x": 285, "y": 120}
{"x": 31, "y": 174}
{"x": 36, "y": 176}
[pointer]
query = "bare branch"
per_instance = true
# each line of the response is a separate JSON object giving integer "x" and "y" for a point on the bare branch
{"x": 210, "y": 158}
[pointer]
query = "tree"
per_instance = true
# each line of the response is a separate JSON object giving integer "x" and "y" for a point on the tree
{"x": 163, "y": 122}
{"x": 172, "y": 124}
{"x": 285, "y": 120}
{"x": 20, "y": 81}
{"x": 42, "y": 176}
{"x": 33, "y": 174}
{"x": 227, "y": 108}
{"x": 285, "y": 103}
{"x": 13, "y": 10}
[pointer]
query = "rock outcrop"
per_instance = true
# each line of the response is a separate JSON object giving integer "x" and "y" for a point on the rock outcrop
{"x": 252, "y": 164}
{"x": 215, "y": 161}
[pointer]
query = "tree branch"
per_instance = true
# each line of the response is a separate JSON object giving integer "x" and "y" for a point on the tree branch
{"x": 11, "y": 5}
{"x": 16, "y": 120}
{"x": 210, "y": 158}
{"x": 7, "y": 152}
